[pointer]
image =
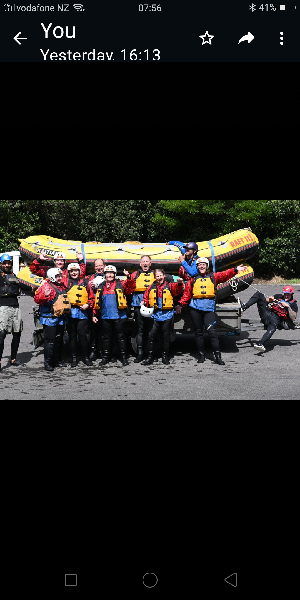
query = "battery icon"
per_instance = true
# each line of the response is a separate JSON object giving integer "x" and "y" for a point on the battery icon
{"x": 282, "y": 6}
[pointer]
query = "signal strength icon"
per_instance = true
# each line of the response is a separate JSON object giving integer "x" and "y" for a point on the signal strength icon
{"x": 281, "y": 38}
{"x": 78, "y": 6}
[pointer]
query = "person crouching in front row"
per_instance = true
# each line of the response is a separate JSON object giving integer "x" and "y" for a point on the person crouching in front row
{"x": 111, "y": 308}
{"x": 160, "y": 297}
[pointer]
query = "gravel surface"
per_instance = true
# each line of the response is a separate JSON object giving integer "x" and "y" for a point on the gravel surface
{"x": 247, "y": 375}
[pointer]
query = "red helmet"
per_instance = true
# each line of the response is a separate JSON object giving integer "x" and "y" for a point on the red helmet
{"x": 288, "y": 289}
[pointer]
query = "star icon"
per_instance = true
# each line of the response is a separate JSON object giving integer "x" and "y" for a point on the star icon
{"x": 206, "y": 38}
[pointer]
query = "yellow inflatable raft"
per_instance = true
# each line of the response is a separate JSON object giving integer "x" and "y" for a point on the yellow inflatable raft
{"x": 236, "y": 285}
{"x": 228, "y": 249}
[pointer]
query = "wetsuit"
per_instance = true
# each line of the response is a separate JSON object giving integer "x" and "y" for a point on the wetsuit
{"x": 53, "y": 326}
{"x": 162, "y": 318}
{"x": 10, "y": 313}
{"x": 274, "y": 316}
{"x": 203, "y": 308}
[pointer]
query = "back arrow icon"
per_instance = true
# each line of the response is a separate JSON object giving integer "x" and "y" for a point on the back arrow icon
{"x": 17, "y": 38}
{"x": 248, "y": 37}
{"x": 232, "y": 579}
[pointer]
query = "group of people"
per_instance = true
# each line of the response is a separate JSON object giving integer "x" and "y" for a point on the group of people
{"x": 94, "y": 308}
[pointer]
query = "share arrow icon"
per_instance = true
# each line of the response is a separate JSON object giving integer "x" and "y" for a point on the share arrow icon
{"x": 248, "y": 37}
{"x": 232, "y": 579}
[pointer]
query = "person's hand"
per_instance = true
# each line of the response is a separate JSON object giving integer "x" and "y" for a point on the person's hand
{"x": 178, "y": 309}
{"x": 167, "y": 244}
{"x": 180, "y": 281}
{"x": 181, "y": 258}
{"x": 84, "y": 307}
{"x": 43, "y": 255}
{"x": 285, "y": 304}
{"x": 271, "y": 299}
{"x": 47, "y": 290}
{"x": 126, "y": 273}
{"x": 79, "y": 255}
{"x": 242, "y": 268}
{"x": 95, "y": 320}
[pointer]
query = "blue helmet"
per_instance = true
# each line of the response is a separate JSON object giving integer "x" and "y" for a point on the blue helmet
{"x": 5, "y": 257}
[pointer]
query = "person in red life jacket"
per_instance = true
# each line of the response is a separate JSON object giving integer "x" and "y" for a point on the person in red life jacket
{"x": 53, "y": 326}
{"x": 200, "y": 295}
{"x": 111, "y": 308}
{"x": 279, "y": 311}
{"x": 82, "y": 299}
{"x": 144, "y": 278}
{"x": 188, "y": 259}
{"x": 94, "y": 328}
{"x": 41, "y": 265}
{"x": 160, "y": 297}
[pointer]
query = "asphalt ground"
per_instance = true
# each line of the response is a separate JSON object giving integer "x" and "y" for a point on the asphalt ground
{"x": 247, "y": 375}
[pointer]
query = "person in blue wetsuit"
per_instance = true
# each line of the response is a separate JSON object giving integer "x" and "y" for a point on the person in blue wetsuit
{"x": 189, "y": 251}
{"x": 160, "y": 296}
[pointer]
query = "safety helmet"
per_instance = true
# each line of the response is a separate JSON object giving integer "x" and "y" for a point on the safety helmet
{"x": 110, "y": 269}
{"x": 146, "y": 312}
{"x": 97, "y": 281}
{"x": 203, "y": 260}
{"x": 51, "y": 274}
{"x": 58, "y": 255}
{"x": 5, "y": 257}
{"x": 191, "y": 246}
{"x": 73, "y": 266}
{"x": 288, "y": 289}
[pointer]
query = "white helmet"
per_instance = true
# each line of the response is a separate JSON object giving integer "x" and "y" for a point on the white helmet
{"x": 97, "y": 281}
{"x": 110, "y": 269}
{"x": 51, "y": 274}
{"x": 146, "y": 312}
{"x": 203, "y": 260}
{"x": 73, "y": 266}
{"x": 59, "y": 255}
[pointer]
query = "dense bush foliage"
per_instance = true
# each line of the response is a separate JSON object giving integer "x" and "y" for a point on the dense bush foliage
{"x": 275, "y": 222}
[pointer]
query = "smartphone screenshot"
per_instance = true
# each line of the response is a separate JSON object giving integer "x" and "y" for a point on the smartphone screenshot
{"x": 97, "y": 31}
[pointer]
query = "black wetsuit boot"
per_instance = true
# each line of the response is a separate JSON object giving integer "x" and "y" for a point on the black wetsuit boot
{"x": 150, "y": 358}
{"x": 48, "y": 356}
{"x": 218, "y": 358}
{"x": 140, "y": 355}
{"x": 201, "y": 358}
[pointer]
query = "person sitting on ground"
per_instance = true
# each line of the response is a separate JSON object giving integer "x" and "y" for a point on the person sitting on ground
{"x": 276, "y": 311}
{"x": 200, "y": 295}
{"x": 160, "y": 296}
{"x": 188, "y": 259}
{"x": 41, "y": 265}
{"x": 111, "y": 308}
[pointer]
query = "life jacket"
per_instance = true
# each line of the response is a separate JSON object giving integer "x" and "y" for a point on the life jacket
{"x": 143, "y": 280}
{"x": 281, "y": 311}
{"x": 78, "y": 294}
{"x": 61, "y": 304}
{"x": 119, "y": 291}
{"x": 168, "y": 300}
{"x": 204, "y": 287}
{"x": 9, "y": 285}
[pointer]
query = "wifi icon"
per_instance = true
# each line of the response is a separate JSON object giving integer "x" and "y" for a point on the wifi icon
{"x": 78, "y": 6}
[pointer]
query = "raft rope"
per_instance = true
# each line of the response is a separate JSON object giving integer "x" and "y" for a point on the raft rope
{"x": 236, "y": 283}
